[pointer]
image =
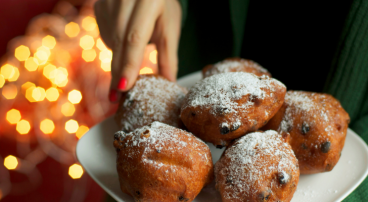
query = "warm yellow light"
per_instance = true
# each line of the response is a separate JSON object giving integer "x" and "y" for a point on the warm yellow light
{"x": 49, "y": 41}
{"x": 11, "y": 162}
{"x": 38, "y": 94}
{"x": 153, "y": 56}
{"x": 67, "y": 109}
{"x": 52, "y": 94}
{"x": 89, "y": 23}
{"x": 7, "y": 71}
{"x": 2, "y": 81}
{"x": 146, "y": 70}
{"x": 89, "y": 55}
{"x": 81, "y": 131}
{"x": 22, "y": 53}
{"x": 75, "y": 171}
{"x": 105, "y": 56}
{"x": 27, "y": 85}
{"x": 72, "y": 29}
{"x": 71, "y": 126}
{"x": 100, "y": 44}
{"x": 29, "y": 93}
{"x": 59, "y": 76}
{"x": 31, "y": 64}
{"x": 47, "y": 126}
{"x": 15, "y": 76}
{"x": 87, "y": 42}
{"x": 48, "y": 69}
{"x": 23, "y": 127}
{"x": 75, "y": 96}
{"x": 10, "y": 91}
{"x": 106, "y": 66}
{"x": 13, "y": 116}
{"x": 42, "y": 55}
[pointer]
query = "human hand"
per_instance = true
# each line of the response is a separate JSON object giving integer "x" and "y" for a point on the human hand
{"x": 126, "y": 26}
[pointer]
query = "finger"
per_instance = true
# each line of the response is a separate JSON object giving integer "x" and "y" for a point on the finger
{"x": 139, "y": 32}
{"x": 102, "y": 18}
{"x": 167, "y": 56}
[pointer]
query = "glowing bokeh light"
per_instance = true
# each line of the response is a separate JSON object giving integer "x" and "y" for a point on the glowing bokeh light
{"x": 47, "y": 126}
{"x": 15, "y": 76}
{"x": 7, "y": 71}
{"x": 153, "y": 56}
{"x": 89, "y": 23}
{"x": 105, "y": 56}
{"x": 59, "y": 76}
{"x": 67, "y": 109}
{"x": 52, "y": 94}
{"x": 22, "y": 53}
{"x": 38, "y": 94}
{"x": 72, "y": 29}
{"x": 75, "y": 96}
{"x": 27, "y": 85}
{"x": 13, "y": 116}
{"x": 10, "y": 91}
{"x": 42, "y": 55}
{"x": 100, "y": 44}
{"x": 106, "y": 66}
{"x": 29, "y": 93}
{"x": 87, "y": 42}
{"x": 11, "y": 162}
{"x": 31, "y": 64}
{"x": 2, "y": 81}
{"x": 146, "y": 70}
{"x": 71, "y": 126}
{"x": 23, "y": 127}
{"x": 81, "y": 131}
{"x": 48, "y": 69}
{"x": 49, "y": 41}
{"x": 75, "y": 171}
{"x": 89, "y": 55}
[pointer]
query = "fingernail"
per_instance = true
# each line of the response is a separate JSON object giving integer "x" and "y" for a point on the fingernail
{"x": 122, "y": 84}
{"x": 113, "y": 95}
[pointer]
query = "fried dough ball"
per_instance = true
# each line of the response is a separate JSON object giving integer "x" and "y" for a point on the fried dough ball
{"x": 234, "y": 65}
{"x": 257, "y": 167}
{"x": 152, "y": 98}
{"x": 226, "y": 106}
{"x": 315, "y": 125}
{"x": 162, "y": 163}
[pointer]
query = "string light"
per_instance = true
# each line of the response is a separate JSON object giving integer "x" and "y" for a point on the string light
{"x": 47, "y": 70}
{"x": 13, "y": 116}
{"x": 75, "y": 171}
{"x": 23, "y": 127}
{"x": 52, "y": 94}
{"x": 100, "y": 44}
{"x": 22, "y": 53}
{"x": 47, "y": 126}
{"x": 49, "y": 41}
{"x": 89, "y": 23}
{"x": 153, "y": 56}
{"x": 89, "y": 55}
{"x": 2, "y": 81}
{"x": 38, "y": 94}
{"x": 15, "y": 76}
{"x": 42, "y": 54}
{"x": 106, "y": 66}
{"x": 27, "y": 85}
{"x": 81, "y": 131}
{"x": 7, "y": 71}
{"x": 11, "y": 162}
{"x": 71, "y": 126}
{"x": 29, "y": 93}
{"x": 67, "y": 109}
{"x": 10, "y": 91}
{"x": 59, "y": 76}
{"x": 75, "y": 96}
{"x": 146, "y": 70}
{"x": 72, "y": 29}
{"x": 31, "y": 64}
{"x": 87, "y": 42}
{"x": 106, "y": 56}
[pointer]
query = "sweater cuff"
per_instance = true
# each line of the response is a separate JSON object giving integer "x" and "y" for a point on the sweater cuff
{"x": 184, "y": 11}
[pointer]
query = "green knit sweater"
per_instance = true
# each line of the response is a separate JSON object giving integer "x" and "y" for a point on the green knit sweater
{"x": 321, "y": 48}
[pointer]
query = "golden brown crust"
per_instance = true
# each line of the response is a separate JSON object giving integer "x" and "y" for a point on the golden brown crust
{"x": 234, "y": 64}
{"x": 219, "y": 120}
{"x": 317, "y": 126}
{"x": 162, "y": 163}
{"x": 152, "y": 98}
{"x": 257, "y": 167}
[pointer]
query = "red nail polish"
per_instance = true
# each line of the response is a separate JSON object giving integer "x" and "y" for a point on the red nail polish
{"x": 122, "y": 83}
{"x": 113, "y": 95}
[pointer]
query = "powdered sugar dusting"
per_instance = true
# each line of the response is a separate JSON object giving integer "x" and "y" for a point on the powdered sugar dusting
{"x": 222, "y": 91}
{"x": 246, "y": 168}
{"x": 231, "y": 65}
{"x": 152, "y": 99}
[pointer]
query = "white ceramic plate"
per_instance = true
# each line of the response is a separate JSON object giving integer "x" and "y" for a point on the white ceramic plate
{"x": 97, "y": 155}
